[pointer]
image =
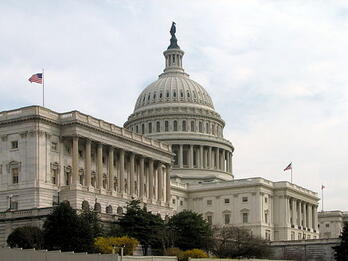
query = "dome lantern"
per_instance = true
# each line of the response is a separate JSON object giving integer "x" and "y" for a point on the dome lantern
{"x": 173, "y": 55}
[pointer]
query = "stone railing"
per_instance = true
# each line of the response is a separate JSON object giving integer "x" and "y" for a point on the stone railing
{"x": 76, "y": 116}
{"x": 25, "y": 213}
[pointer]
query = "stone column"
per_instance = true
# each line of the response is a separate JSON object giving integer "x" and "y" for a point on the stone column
{"x": 160, "y": 182}
{"x": 294, "y": 212}
{"x": 300, "y": 213}
{"x": 88, "y": 163}
{"x": 217, "y": 158}
{"x": 111, "y": 168}
{"x": 310, "y": 216}
{"x": 305, "y": 214}
{"x": 205, "y": 152}
{"x": 230, "y": 156}
{"x": 131, "y": 174}
{"x": 191, "y": 157}
{"x": 201, "y": 164}
{"x": 168, "y": 192}
{"x": 181, "y": 156}
{"x": 210, "y": 158}
{"x": 197, "y": 157}
{"x": 100, "y": 165}
{"x": 75, "y": 160}
{"x": 151, "y": 174}
{"x": 121, "y": 171}
{"x": 141, "y": 177}
{"x": 315, "y": 214}
{"x": 223, "y": 160}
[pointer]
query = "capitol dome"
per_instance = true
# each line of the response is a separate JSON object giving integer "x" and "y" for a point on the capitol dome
{"x": 179, "y": 111}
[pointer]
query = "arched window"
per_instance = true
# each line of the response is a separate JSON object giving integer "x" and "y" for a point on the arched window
{"x": 97, "y": 207}
{"x": 158, "y": 126}
{"x": 166, "y": 126}
{"x": 148, "y": 97}
{"x": 150, "y": 127}
{"x": 82, "y": 176}
{"x": 188, "y": 94}
{"x": 182, "y": 94}
{"x": 160, "y": 95}
{"x": 108, "y": 209}
{"x": 193, "y": 126}
{"x": 207, "y": 127}
{"x": 137, "y": 129}
{"x": 154, "y": 95}
{"x": 85, "y": 205}
{"x": 167, "y": 94}
{"x": 200, "y": 126}
{"x": 119, "y": 210}
{"x": 184, "y": 126}
{"x": 115, "y": 183}
{"x": 175, "y": 123}
{"x": 93, "y": 179}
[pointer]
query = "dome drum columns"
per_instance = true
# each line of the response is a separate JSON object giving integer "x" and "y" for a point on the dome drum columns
{"x": 202, "y": 157}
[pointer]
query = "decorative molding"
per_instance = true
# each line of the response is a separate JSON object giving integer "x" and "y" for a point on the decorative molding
{"x": 24, "y": 134}
{"x": 13, "y": 164}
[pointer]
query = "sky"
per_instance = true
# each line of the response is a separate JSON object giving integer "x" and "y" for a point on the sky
{"x": 276, "y": 71}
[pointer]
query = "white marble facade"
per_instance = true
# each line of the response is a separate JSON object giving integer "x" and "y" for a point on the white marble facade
{"x": 171, "y": 154}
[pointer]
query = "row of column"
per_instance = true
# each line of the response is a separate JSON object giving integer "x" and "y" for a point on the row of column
{"x": 154, "y": 168}
{"x": 205, "y": 157}
{"x": 303, "y": 214}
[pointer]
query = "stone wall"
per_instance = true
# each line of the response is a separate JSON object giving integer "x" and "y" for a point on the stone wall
{"x": 315, "y": 249}
{"x": 15, "y": 254}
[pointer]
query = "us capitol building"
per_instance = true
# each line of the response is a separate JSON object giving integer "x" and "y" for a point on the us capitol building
{"x": 171, "y": 154}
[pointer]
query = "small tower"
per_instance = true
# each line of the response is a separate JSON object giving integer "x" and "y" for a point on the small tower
{"x": 173, "y": 54}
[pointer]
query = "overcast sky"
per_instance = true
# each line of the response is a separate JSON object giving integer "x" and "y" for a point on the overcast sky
{"x": 276, "y": 71}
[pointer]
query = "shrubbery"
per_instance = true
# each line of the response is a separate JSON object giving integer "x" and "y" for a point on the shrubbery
{"x": 105, "y": 244}
{"x": 26, "y": 237}
{"x": 184, "y": 255}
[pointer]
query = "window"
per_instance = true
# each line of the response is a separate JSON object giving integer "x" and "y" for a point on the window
{"x": 299, "y": 236}
{"x": 54, "y": 146}
{"x": 14, "y": 175}
{"x": 200, "y": 126}
{"x": 268, "y": 235}
{"x": 245, "y": 218}
{"x": 137, "y": 129}
{"x": 14, "y": 204}
{"x": 244, "y": 199}
{"x": 150, "y": 127}
{"x": 188, "y": 94}
{"x": 142, "y": 128}
{"x": 54, "y": 175}
{"x": 292, "y": 235}
{"x": 14, "y": 144}
{"x": 175, "y": 123}
{"x": 227, "y": 218}
{"x": 192, "y": 126}
{"x": 210, "y": 219}
{"x": 327, "y": 225}
{"x": 173, "y": 200}
{"x": 183, "y": 125}
{"x": 181, "y": 203}
{"x": 167, "y": 94}
{"x": 174, "y": 94}
{"x": 160, "y": 95}
{"x": 227, "y": 200}
{"x": 266, "y": 199}
{"x": 81, "y": 154}
{"x": 209, "y": 202}
{"x": 266, "y": 217}
{"x": 158, "y": 126}
{"x": 166, "y": 126}
{"x": 207, "y": 127}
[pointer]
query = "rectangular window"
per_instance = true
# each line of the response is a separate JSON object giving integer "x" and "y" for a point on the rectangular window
{"x": 14, "y": 175}
{"x": 327, "y": 225}
{"x": 245, "y": 218}
{"x": 54, "y": 146}
{"x": 266, "y": 218}
{"x": 173, "y": 200}
{"x": 209, "y": 202}
{"x": 166, "y": 126}
{"x": 244, "y": 199}
{"x": 227, "y": 200}
{"x": 210, "y": 220}
{"x": 227, "y": 219}
{"x": 14, "y": 144}
{"x": 266, "y": 199}
{"x": 14, "y": 205}
{"x": 150, "y": 127}
{"x": 181, "y": 203}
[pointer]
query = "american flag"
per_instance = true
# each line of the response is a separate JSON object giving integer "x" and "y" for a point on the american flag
{"x": 37, "y": 77}
{"x": 288, "y": 167}
{"x": 322, "y": 186}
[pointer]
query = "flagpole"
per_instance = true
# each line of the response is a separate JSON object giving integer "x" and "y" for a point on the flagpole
{"x": 43, "y": 88}
{"x": 322, "y": 198}
{"x": 291, "y": 174}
